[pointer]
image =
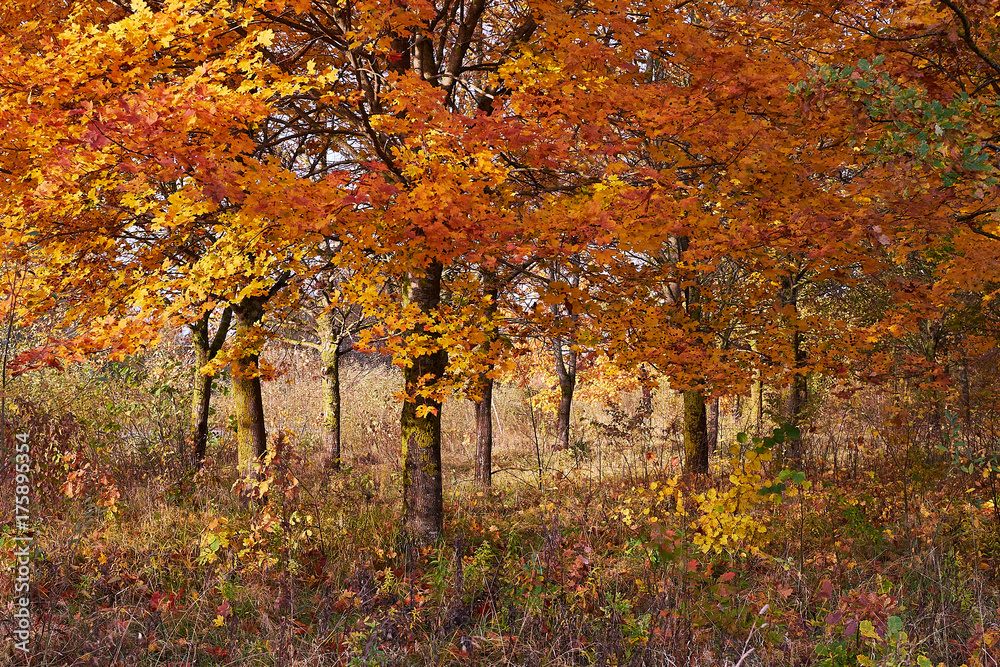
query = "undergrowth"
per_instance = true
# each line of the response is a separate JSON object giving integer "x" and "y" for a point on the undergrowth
{"x": 860, "y": 560}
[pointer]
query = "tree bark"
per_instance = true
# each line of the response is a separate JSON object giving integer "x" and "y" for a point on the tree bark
{"x": 484, "y": 406}
{"x": 330, "y": 357}
{"x": 795, "y": 398}
{"x": 795, "y": 405}
{"x": 484, "y": 433}
{"x": 566, "y": 372}
{"x": 757, "y": 406}
{"x": 201, "y": 398}
{"x": 695, "y": 433}
{"x": 646, "y": 401}
{"x": 695, "y": 419}
{"x": 713, "y": 425}
{"x": 251, "y": 434}
{"x": 423, "y": 503}
{"x": 201, "y": 389}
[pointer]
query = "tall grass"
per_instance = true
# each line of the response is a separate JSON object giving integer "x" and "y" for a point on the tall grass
{"x": 173, "y": 569}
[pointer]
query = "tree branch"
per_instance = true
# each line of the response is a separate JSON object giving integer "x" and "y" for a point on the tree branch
{"x": 967, "y": 34}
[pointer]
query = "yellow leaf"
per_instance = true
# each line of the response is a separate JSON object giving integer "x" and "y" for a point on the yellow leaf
{"x": 265, "y": 37}
{"x": 424, "y": 410}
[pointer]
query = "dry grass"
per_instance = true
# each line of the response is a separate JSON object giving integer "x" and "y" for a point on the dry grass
{"x": 542, "y": 570}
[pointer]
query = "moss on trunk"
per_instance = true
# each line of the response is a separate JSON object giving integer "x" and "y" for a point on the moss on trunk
{"x": 695, "y": 433}
{"x": 423, "y": 504}
{"x": 330, "y": 356}
{"x": 251, "y": 434}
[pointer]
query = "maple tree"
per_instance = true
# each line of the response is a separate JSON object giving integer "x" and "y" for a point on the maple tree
{"x": 409, "y": 104}
{"x": 340, "y": 321}
{"x": 444, "y": 169}
{"x": 196, "y": 157}
{"x": 136, "y": 178}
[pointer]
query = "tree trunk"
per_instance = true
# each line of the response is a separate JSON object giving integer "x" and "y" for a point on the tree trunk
{"x": 695, "y": 420}
{"x": 931, "y": 336}
{"x": 201, "y": 407}
{"x": 713, "y": 425}
{"x": 695, "y": 433}
{"x": 330, "y": 356}
{"x": 251, "y": 434}
{"x": 201, "y": 391}
{"x": 484, "y": 433}
{"x": 201, "y": 398}
{"x": 646, "y": 401}
{"x": 757, "y": 406}
{"x": 566, "y": 372}
{"x": 795, "y": 405}
{"x": 423, "y": 503}
{"x": 484, "y": 406}
{"x": 795, "y": 398}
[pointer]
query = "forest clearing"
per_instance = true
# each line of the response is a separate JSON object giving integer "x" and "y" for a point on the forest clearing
{"x": 514, "y": 332}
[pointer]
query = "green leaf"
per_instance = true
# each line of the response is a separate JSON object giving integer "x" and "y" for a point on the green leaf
{"x": 742, "y": 438}
{"x": 864, "y": 65}
{"x": 895, "y": 624}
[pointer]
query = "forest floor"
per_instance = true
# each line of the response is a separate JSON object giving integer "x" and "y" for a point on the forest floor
{"x": 876, "y": 550}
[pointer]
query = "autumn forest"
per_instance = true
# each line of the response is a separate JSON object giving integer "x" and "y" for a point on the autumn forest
{"x": 513, "y": 332}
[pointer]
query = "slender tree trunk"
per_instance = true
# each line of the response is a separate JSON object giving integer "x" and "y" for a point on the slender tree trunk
{"x": 201, "y": 399}
{"x": 563, "y": 425}
{"x": 423, "y": 504}
{"x": 201, "y": 390}
{"x": 713, "y": 425}
{"x": 484, "y": 406}
{"x": 331, "y": 416}
{"x": 566, "y": 372}
{"x": 757, "y": 406}
{"x": 795, "y": 404}
{"x": 695, "y": 433}
{"x": 930, "y": 338}
{"x": 330, "y": 356}
{"x": 201, "y": 408}
{"x": 795, "y": 397}
{"x": 484, "y": 434}
{"x": 646, "y": 401}
{"x": 251, "y": 434}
